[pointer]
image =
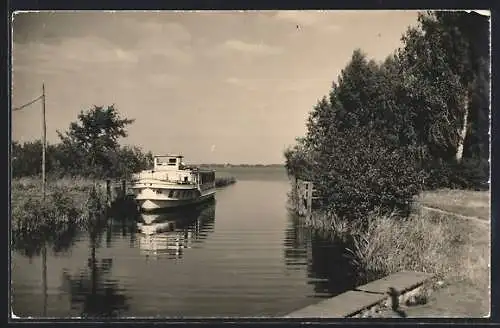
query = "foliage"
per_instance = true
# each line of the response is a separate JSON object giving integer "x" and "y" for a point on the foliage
{"x": 361, "y": 173}
{"x": 88, "y": 148}
{"x": 421, "y": 243}
{"x": 298, "y": 160}
{"x": 93, "y": 137}
{"x": 388, "y": 130}
{"x": 467, "y": 174}
{"x": 35, "y": 222}
{"x": 444, "y": 64}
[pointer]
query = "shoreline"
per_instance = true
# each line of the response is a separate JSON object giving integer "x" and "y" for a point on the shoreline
{"x": 451, "y": 246}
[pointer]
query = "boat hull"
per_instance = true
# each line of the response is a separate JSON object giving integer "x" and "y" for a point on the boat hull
{"x": 149, "y": 205}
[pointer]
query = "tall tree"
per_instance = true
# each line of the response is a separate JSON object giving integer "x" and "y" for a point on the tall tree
{"x": 442, "y": 60}
{"x": 94, "y": 136}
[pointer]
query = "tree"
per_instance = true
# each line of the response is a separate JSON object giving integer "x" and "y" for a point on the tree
{"x": 442, "y": 60}
{"x": 94, "y": 136}
{"x": 298, "y": 161}
{"x": 359, "y": 172}
{"x": 355, "y": 99}
{"x": 126, "y": 160}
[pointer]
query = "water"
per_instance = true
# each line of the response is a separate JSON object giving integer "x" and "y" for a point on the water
{"x": 243, "y": 256}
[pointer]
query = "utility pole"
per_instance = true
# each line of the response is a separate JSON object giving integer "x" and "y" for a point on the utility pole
{"x": 44, "y": 133}
{"x": 44, "y": 142}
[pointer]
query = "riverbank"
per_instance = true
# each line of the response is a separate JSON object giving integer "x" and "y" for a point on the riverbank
{"x": 444, "y": 243}
{"x": 24, "y": 187}
{"x": 224, "y": 181}
{"x": 68, "y": 202}
{"x": 72, "y": 194}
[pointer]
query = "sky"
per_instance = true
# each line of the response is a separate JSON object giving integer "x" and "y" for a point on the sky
{"x": 217, "y": 87}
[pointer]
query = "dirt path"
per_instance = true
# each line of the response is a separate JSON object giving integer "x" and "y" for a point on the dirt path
{"x": 473, "y": 218}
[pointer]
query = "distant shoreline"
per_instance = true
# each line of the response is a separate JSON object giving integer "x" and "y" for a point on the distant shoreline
{"x": 241, "y": 165}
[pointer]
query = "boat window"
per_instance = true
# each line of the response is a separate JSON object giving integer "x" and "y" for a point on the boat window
{"x": 171, "y": 194}
{"x": 172, "y": 161}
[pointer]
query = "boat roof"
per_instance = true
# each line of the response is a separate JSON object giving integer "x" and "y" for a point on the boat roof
{"x": 170, "y": 155}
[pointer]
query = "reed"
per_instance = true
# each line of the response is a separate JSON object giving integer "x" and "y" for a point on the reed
{"x": 224, "y": 181}
{"x": 453, "y": 249}
{"x": 70, "y": 205}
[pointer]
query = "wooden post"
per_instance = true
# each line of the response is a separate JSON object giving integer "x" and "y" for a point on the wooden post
{"x": 108, "y": 191}
{"x": 44, "y": 142}
{"x": 124, "y": 188}
{"x": 309, "y": 197}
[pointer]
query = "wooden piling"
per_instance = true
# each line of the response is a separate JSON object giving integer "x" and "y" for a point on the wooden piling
{"x": 304, "y": 193}
{"x": 108, "y": 192}
{"x": 124, "y": 188}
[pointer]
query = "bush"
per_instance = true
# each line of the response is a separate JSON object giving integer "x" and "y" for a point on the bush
{"x": 35, "y": 222}
{"x": 361, "y": 173}
{"x": 468, "y": 174}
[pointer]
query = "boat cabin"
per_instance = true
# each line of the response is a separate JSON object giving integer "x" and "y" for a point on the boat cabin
{"x": 168, "y": 163}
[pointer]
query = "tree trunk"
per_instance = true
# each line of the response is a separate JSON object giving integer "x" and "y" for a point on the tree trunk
{"x": 463, "y": 130}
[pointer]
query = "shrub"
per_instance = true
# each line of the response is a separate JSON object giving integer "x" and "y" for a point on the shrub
{"x": 361, "y": 173}
{"x": 467, "y": 174}
{"x": 35, "y": 222}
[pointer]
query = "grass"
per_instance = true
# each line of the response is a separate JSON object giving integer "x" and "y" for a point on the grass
{"x": 67, "y": 203}
{"x": 464, "y": 202}
{"x": 455, "y": 250}
{"x": 77, "y": 188}
{"x": 71, "y": 206}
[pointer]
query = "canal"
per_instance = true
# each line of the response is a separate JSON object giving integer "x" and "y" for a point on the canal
{"x": 242, "y": 256}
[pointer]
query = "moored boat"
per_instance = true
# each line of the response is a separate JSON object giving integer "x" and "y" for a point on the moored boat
{"x": 172, "y": 184}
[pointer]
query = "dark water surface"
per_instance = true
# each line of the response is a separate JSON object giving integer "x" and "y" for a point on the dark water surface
{"x": 245, "y": 255}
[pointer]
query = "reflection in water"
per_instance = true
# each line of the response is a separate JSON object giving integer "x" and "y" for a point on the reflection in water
{"x": 35, "y": 242}
{"x": 171, "y": 233}
{"x": 92, "y": 292}
{"x": 243, "y": 268}
{"x": 329, "y": 269}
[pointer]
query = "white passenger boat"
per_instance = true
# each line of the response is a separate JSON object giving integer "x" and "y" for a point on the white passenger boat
{"x": 172, "y": 184}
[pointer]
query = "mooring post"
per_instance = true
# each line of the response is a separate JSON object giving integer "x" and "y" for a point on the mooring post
{"x": 309, "y": 197}
{"x": 124, "y": 188}
{"x": 108, "y": 191}
{"x": 301, "y": 206}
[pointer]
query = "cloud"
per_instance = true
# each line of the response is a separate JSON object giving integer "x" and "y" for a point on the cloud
{"x": 170, "y": 40}
{"x": 174, "y": 32}
{"x": 92, "y": 49}
{"x": 252, "y": 48}
{"x": 71, "y": 55}
{"x": 321, "y": 20}
{"x": 163, "y": 80}
{"x": 247, "y": 84}
{"x": 234, "y": 46}
{"x": 149, "y": 40}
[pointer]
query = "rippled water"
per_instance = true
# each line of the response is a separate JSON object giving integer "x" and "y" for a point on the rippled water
{"x": 244, "y": 255}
